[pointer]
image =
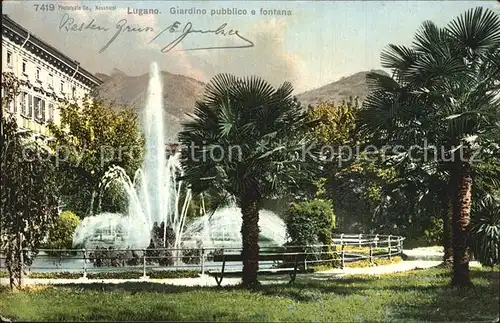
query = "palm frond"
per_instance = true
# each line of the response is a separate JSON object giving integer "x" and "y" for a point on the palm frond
{"x": 262, "y": 122}
{"x": 399, "y": 59}
{"x": 485, "y": 232}
{"x": 476, "y": 30}
{"x": 429, "y": 39}
{"x": 378, "y": 81}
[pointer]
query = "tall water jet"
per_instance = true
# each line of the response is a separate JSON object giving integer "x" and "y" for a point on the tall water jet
{"x": 155, "y": 159}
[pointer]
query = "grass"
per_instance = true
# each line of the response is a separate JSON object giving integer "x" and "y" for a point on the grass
{"x": 357, "y": 264}
{"x": 417, "y": 295}
{"x": 376, "y": 262}
{"x": 363, "y": 250}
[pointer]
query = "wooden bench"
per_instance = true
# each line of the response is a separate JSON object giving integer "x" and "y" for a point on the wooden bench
{"x": 280, "y": 256}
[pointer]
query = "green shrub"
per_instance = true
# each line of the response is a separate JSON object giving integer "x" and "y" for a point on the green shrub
{"x": 156, "y": 274}
{"x": 217, "y": 252}
{"x": 174, "y": 274}
{"x": 191, "y": 256}
{"x": 102, "y": 257}
{"x": 61, "y": 275}
{"x": 310, "y": 222}
{"x": 61, "y": 235}
{"x": 115, "y": 275}
{"x": 155, "y": 252}
{"x": 433, "y": 234}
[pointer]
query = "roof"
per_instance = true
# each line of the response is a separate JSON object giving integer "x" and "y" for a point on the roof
{"x": 33, "y": 41}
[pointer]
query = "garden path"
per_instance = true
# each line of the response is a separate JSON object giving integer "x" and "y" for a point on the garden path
{"x": 210, "y": 281}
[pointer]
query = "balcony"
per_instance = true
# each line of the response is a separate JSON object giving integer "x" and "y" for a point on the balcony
{"x": 24, "y": 77}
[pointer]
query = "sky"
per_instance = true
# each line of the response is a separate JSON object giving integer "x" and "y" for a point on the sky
{"x": 320, "y": 42}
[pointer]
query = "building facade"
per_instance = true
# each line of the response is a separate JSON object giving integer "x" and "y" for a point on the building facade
{"x": 45, "y": 78}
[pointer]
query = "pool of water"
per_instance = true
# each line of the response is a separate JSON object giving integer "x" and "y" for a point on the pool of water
{"x": 44, "y": 263}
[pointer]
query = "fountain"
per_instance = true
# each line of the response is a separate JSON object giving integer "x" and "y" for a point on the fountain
{"x": 154, "y": 197}
{"x": 222, "y": 229}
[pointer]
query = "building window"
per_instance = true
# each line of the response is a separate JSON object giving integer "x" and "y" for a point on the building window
{"x": 25, "y": 66}
{"x": 42, "y": 110}
{"x": 38, "y": 74}
{"x": 50, "y": 80}
{"x": 62, "y": 86}
{"x": 12, "y": 105}
{"x": 9, "y": 58}
{"x": 39, "y": 109}
{"x": 51, "y": 112}
{"x": 24, "y": 99}
{"x": 30, "y": 105}
{"x": 73, "y": 92}
{"x": 37, "y": 105}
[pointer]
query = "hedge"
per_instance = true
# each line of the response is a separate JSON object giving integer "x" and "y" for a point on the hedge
{"x": 160, "y": 274}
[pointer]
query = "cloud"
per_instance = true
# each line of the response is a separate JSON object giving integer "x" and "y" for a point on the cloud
{"x": 271, "y": 57}
{"x": 268, "y": 59}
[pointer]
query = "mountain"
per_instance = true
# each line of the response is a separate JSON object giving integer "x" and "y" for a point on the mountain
{"x": 354, "y": 85}
{"x": 179, "y": 94}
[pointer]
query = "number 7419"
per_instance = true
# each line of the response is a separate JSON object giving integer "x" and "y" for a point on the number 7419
{"x": 44, "y": 7}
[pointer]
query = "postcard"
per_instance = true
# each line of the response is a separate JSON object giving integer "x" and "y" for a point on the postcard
{"x": 169, "y": 146}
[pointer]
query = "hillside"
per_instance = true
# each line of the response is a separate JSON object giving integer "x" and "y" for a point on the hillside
{"x": 179, "y": 93}
{"x": 354, "y": 85}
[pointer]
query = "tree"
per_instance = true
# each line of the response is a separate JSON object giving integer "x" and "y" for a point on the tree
{"x": 353, "y": 180}
{"x": 426, "y": 200}
{"x": 443, "y": 92}
{"x": 89, "y": 139}
{"x": 335, "y": 123}
{"x": 28, "y": 197}
{"x": 358, "y": 181}
{"x": 355, "y": 186}
{"x": 247, "y": 138}
{"x": 61, "y": 235}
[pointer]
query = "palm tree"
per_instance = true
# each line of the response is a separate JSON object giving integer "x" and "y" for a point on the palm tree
{"x": 246, "y": 138}
{"x": 445, "y": 90}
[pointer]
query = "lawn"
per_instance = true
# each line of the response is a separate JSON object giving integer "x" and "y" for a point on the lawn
{"x": 418, "y": 295}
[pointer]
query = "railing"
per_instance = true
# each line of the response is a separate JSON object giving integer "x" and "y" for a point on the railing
{"x": 376, "y": 243}
{"x": 154, "y": 262}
